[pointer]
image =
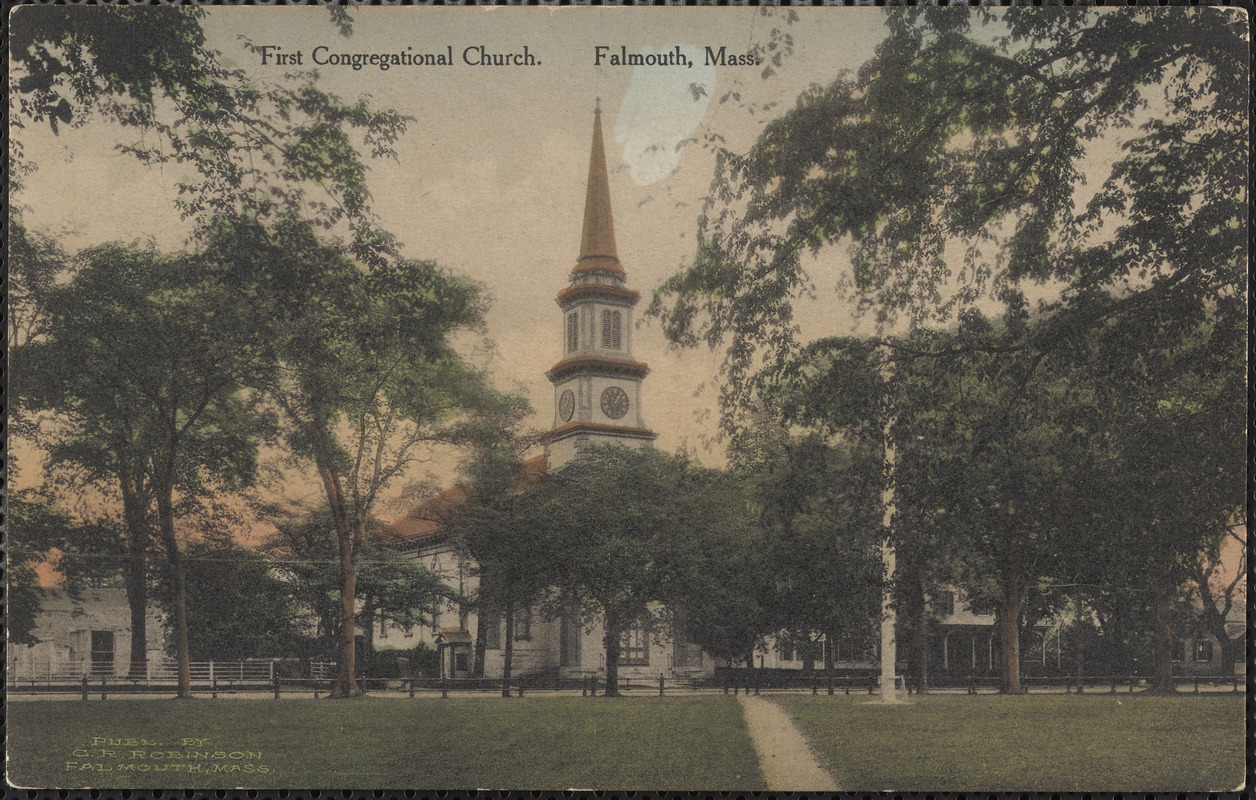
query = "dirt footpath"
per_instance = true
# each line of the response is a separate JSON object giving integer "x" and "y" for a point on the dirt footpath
{"x": 787, "y": 761}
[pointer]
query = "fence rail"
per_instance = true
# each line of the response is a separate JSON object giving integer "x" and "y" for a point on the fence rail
{"x": 166, "y": 670}
{"x": 231, "y": 682}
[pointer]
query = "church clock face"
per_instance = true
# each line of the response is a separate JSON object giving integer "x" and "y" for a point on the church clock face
{"x": 566, "y": 405}
{"x": 614, "y": 402}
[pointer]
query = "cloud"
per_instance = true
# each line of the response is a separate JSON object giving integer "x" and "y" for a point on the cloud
{"x": 660, "y": 111}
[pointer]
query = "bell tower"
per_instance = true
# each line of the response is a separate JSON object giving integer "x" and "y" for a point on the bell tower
{"x": 597, "y": 382}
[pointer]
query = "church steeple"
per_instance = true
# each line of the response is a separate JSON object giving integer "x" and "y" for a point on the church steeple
{"x": 597, "y": 241}
{"x": 597, "y": 382}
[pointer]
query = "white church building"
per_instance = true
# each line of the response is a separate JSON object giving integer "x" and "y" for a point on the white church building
{"x": 597, "y": 394}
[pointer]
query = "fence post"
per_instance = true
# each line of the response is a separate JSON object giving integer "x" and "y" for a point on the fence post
{"x": 872, "y": 685}
{"x": 276, "y": 682}
{"x": 660, "y": 684}
{"x": 1234, "y": 683}
{"x": 592, "y": 686}
{"x": 213, "y": 683}
{"x": 104, "y": 694}
{"x": 584, "y": 686}
{"x": 211, "y": 670}
{"x": 1113, "y": 684}
{"x": 815, "y": 685}
{"x": 84, "y": 687}
{"x": 1080, "y": 688}
{"x": 829, "y": 680}
{"x": 1131, "y": 684}
{"x": 1196, "y": 685}
{"x": 521, "y": 686}
{"x": 444, "y": 686}
{"x": 726, "y": 683}
{"x": 411, "y": 684}
{"x": 972, "y": 683}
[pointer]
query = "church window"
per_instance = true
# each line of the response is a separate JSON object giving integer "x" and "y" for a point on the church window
{"x": 523, "y": 625}
{"x": 573, "y": 332}
{"x": 634, "y": 648}
{"x": 611, "y": 338}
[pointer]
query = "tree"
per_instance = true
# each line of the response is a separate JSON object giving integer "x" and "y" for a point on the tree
{"x": 817, "y": 504}
{"x": 271, "y": 151}
{"x": 142, "y": 367}
{"x": 34, "y": 529}
{"x": 235, "y": 602}
{"x": 622, "y": 523}
{"x": 1176, "y": 425}
{"x": 951, "y": 165}
{"x": 367, "y": 377}
{"x": 390, "y": 586}
{"x": 1217, "y": 586}
{"x": 493, "y": 529}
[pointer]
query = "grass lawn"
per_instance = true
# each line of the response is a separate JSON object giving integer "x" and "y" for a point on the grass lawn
{"x": 524, "y": 743}
{"x": 1052, "y": 743}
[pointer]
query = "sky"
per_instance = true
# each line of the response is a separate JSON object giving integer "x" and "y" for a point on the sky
{"x": 489, "y": 179}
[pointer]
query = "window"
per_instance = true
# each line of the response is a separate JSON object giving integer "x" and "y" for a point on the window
{"x": 611, "y": 330}
{"x": 492, "y": 631}
{"x": 1179, "y": 650}
{"x": 1203, "y": 651}
{"x": 785, "y": 651}
{"x": 462, "y": 662}
{"x": 944, "y": 604}
{"x": 634, "y": 648}
{"x": 573, "y": 332}
{"x": 523, "y": 625}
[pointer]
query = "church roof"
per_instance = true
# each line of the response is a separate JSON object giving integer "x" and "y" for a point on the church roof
{"x": 597, "y": 241}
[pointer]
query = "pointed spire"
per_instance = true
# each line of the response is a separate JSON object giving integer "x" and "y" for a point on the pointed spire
{"x": 597, "y": 242}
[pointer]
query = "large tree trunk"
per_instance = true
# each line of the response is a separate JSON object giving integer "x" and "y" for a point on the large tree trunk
{"x": 135, "y": 573}
{"x": 481, "y": 638}
{"x": 346, "y": 676}
{"x": 911, "y": 594}
{"x": 611, "y": 640}
{"x": 165, "y": 516}
{"x": 1162, "y": 639}
{"x": 1009, "y": 593}
{"x": 346, "y": 679}
{"x": 508, "y": 646}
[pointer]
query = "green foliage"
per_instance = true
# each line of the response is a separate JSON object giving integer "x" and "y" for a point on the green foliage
{"x": 953, "y": 164}
{"x": 32, "y": 530}
{"x": 390, "y": 585}
{"x": 236, "y": 604}
{"x": 270, "y": 151}
{"x": 816, "y": 506}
